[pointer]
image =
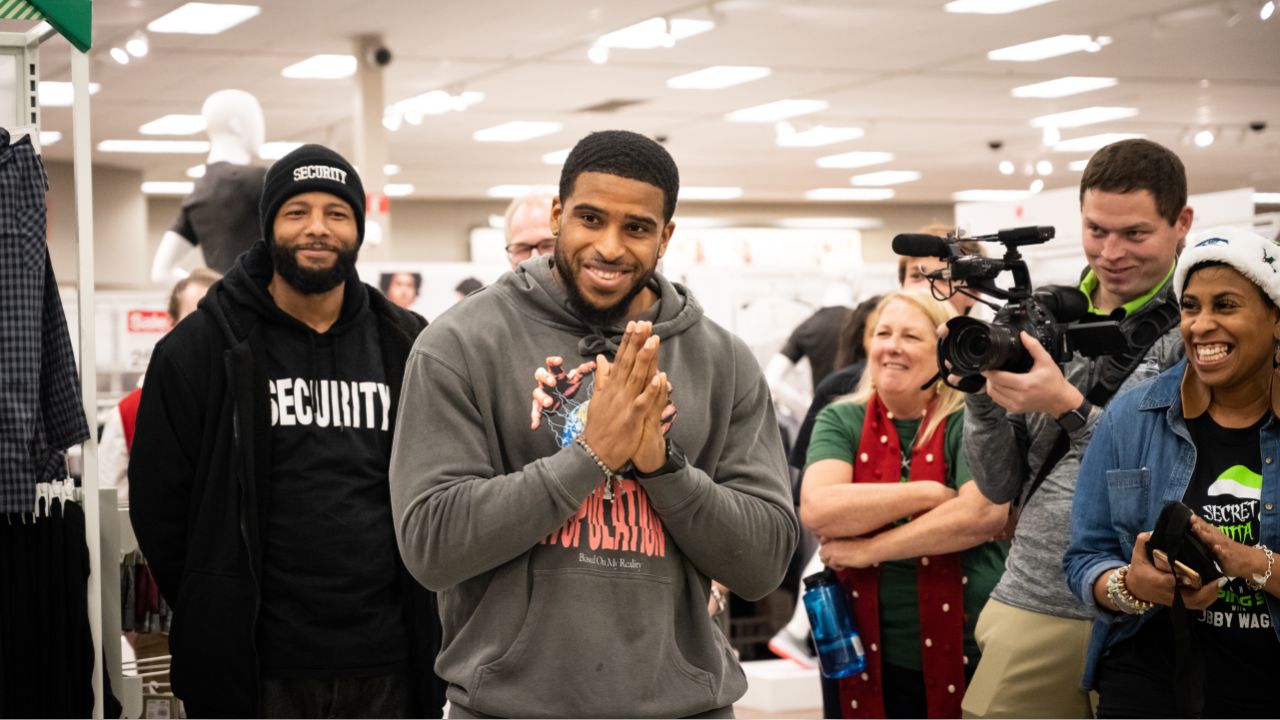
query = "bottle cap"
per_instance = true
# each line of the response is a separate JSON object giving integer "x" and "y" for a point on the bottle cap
{"x": 826, "y": 577}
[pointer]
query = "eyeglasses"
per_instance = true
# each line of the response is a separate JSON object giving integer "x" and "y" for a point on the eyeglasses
{"x": 521, "y": 251}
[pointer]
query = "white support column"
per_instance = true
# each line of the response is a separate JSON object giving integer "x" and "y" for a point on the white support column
{"x": 371, "y": 144}
{"x": 83, "y": 163}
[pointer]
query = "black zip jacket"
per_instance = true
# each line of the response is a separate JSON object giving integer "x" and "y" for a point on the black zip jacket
{"x": 198, "y": 472}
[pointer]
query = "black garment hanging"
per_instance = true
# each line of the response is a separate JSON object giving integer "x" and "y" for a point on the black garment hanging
{"x": 42, "y": 414}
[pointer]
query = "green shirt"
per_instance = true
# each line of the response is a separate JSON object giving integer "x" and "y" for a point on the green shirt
{"x": 836, "y": 433}
{"x": 1090, "y": 283}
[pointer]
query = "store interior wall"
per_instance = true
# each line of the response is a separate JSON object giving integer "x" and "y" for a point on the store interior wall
{"x": 128, "y": 225}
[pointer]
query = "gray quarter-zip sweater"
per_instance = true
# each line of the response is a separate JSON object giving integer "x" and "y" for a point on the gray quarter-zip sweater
{"x": 555, "y": 601}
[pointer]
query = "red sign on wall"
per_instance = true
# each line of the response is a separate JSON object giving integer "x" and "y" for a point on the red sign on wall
{"x": 149, "y": 321}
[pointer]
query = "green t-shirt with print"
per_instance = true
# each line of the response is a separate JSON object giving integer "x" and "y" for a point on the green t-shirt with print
{"x": 835, "y": 437}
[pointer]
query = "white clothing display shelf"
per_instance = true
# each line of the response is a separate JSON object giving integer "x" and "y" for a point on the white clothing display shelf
{"x": 21, "y": 97}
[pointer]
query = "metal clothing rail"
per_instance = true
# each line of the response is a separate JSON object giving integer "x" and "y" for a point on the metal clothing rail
{"x": 73, "y": 19}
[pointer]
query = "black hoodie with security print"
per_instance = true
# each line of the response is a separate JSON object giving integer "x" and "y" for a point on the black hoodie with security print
{"x": 260, "y": 496}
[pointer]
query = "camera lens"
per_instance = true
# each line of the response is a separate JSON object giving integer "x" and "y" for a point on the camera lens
{"x": 972, "y": 346}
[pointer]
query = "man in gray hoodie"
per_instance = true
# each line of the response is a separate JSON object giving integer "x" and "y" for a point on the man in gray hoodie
{"x": 572, "y": 542}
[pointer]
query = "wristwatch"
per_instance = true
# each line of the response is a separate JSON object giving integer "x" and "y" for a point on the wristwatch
{"x": 1074, "y": 419}
{"x": 675, "y": 461}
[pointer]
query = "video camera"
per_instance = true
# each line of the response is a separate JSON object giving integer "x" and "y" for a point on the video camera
{"x": 1055, "y": 315}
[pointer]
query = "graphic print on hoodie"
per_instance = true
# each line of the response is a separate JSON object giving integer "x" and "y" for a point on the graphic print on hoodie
{"x": 621, "y": 519}
{"x": 331, "y": 603}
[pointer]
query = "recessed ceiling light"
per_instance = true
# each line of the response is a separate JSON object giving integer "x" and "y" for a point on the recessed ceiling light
{"x": 1036, "y": 186}
{"x": 49, "y": 137}
{"x": 1266, "y": 198}
{"x": 196, "y": 171}
{"x": 557, "y": 157}
{"x": 138, "y": 45}
{"x": 710, "y": 193}
{"x": 1005, "y": 167}
{"x": 322, "y": 67}
{"x": 830, "y": 223}
{"x": 119, "y": 55}
{"x": 157, "y": 187}
{"x": 1044, "y": 48}
{"x": 1044, "y": 167}
{"x": 199, "y": 18}
{"x": 1083, "y": 116}
{"x": 60, "y": 94}
{"x": 277, "y": 149}
{"x": 1267, "y": 10}
{"x": 654, "y": 33}
{"x": 516, "y": 131}
{"x": 775, "y": 111}
{"x": 1204, "y": 138}
{"x": 598, "y": 54}
{"x": 1089, "y": 143}
{"x": 194, "y": 147}
{"x": 397, "y": 189}
{"x": 856, "y": 159}
{"x": 717, "y": 77}
{"x": 885, "y": 177}
{"x": 788, "y": 136}
{"x": 1063, "y": 87}
{"x": 860, "y": 194}
{"x": 435, "y": 102}
{"x": 1078, "y": 165}
{"x": 515, "y": 191}
{"x": 390, "y": 170}
{"x": 989, "y": 195}
{"x": 174, "y": 125}
{"x": 497, "y": 221}
{"x": 991, "y": 7}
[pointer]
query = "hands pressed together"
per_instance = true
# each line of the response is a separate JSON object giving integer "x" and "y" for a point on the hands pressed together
{"x": 629, "y": 410}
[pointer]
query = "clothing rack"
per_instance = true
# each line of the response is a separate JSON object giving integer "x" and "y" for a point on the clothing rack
{"x": 71, "y": 19}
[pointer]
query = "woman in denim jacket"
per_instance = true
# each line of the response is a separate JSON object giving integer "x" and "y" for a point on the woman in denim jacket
{"x": 1204, "y": 433}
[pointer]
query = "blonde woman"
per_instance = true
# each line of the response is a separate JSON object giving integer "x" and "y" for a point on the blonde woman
{"x": 886, "y": 489}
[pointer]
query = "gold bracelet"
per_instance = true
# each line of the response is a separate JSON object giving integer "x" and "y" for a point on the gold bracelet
{"x": 1118, "y": 591}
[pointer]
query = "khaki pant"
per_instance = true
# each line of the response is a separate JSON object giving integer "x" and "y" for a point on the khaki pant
{"x": 1031, "y": 666}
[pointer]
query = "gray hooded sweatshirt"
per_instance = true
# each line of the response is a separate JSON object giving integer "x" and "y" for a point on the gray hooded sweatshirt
{"x": 555, "y": 601}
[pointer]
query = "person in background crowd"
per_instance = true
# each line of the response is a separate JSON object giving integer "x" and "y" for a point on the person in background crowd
{"x": 913, "y": 272}
{"x": 1025, "y": 433}
{"x": 467, "y": 286}
{"x": 401, "y": 288}
{"x": 573, "y": 535}
{"x": 117, "y": 432}
{"x": 259, "y": 474}
{"x": 1217, "y": 407}
{"x": 910, "y": 534}
{"x": 528, "y": 228}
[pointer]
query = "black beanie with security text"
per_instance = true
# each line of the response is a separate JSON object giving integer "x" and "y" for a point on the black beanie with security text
{"x": 310, "y": 168}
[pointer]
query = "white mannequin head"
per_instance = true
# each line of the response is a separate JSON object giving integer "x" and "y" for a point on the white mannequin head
{"x": 233, "y": 120}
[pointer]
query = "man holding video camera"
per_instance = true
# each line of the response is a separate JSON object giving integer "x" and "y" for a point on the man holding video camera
{"x": 1025, "y": 432}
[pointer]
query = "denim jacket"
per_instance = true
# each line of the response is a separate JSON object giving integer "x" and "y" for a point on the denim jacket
{"x": 1140, "y": 458}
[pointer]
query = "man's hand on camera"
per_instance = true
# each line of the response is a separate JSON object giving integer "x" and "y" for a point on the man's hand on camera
{"x": 953, "y": 380}
{"x": 1042, "y": 389}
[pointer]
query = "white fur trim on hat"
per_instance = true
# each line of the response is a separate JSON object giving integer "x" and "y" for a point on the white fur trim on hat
{"x": 1254, "y": 256}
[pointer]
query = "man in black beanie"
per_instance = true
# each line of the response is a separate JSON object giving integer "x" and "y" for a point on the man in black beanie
{"x": 259, "y": 474}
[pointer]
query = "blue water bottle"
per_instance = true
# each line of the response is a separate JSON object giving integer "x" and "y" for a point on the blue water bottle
{"x": 840, "y": 652}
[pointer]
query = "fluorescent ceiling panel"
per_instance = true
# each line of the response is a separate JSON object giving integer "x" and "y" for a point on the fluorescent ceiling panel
{"x": 717, "y": 77}
{"x": 989, "y": 195}
{"x": 515, "y": 191}
{"x": 1078, "y": 165}
{"x": 856, "y": 159}
{"x": 322, "y": 67}
{"x": 179, "y": 147}
{"x": 885, "y": 177}
{"x": 1063, "y": 87}
{"x": 816, "y": 136}
{"x": 60, "y": 94}
{"x": 710, "y": 193}
{"x": 1089, "y": 143}
{"x": 830, "y": 223}
{"x": 516, "y": 131}
{"x": 775, "y": 111}
{"x": 1266, "y": 198}
{"x": 196, "y": 171}
{"x": 654, "y": 33}
{"x": 1084, "y": 116}
{"x": 991, "y": 7}
{"x": 49, "y": 137}
{"x": 1043, "y": 49}
{"x": 857, "y": 194}
{"x": 174, "y": 125}
{"x": 397, "y": 189}
{"x": 155, "y": 187}
{"x": 556, "y": 157}
{"x": 199, "y": 18}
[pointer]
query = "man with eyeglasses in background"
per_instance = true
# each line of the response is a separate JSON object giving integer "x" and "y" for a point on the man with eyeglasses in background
{"x": 528, "y": 228}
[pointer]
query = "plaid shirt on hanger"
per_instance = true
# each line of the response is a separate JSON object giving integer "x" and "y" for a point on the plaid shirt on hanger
{"x": 41, "y": 412}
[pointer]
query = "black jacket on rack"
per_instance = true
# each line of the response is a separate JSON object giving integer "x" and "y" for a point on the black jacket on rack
{"x": 198, "y": 472}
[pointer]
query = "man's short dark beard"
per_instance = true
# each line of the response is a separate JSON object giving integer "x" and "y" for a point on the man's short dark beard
{"x": 602, "y": 318}
{"x": 313, "y": 282}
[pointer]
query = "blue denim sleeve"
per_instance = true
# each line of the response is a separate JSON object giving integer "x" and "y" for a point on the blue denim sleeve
{"x": 1095, "y": 547}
